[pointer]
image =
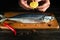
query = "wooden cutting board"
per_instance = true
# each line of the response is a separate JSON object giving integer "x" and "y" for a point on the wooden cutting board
{"x": 18, "y": 25}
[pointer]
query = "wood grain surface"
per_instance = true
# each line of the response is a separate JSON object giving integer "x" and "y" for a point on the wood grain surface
{"x": 17, "y": 25}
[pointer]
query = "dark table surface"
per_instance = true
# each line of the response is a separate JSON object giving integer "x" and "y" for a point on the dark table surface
{"x": 30, "y": 35}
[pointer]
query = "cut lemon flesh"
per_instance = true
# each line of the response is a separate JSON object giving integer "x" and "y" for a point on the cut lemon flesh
{"x": 34, "y": 4}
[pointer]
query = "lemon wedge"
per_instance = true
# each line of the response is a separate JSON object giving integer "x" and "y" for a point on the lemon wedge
{"x": 33, "y": 5}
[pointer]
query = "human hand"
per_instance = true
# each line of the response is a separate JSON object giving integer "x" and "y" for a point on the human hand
{"x": 24, "y": 4}
{"x": 43, "y": 7}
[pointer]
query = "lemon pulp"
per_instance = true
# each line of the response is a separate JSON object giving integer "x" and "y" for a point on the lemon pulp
{"x": 33, "y": 4}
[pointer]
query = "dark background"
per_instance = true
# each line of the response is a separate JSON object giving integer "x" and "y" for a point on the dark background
{"x": 12, "y": 5}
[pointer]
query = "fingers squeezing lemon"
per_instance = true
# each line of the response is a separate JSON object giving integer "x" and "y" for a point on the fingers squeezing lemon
{"x": 33, "y": 5}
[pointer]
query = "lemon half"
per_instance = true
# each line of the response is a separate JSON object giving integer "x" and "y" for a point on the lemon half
{"x": 34, "y": 4}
